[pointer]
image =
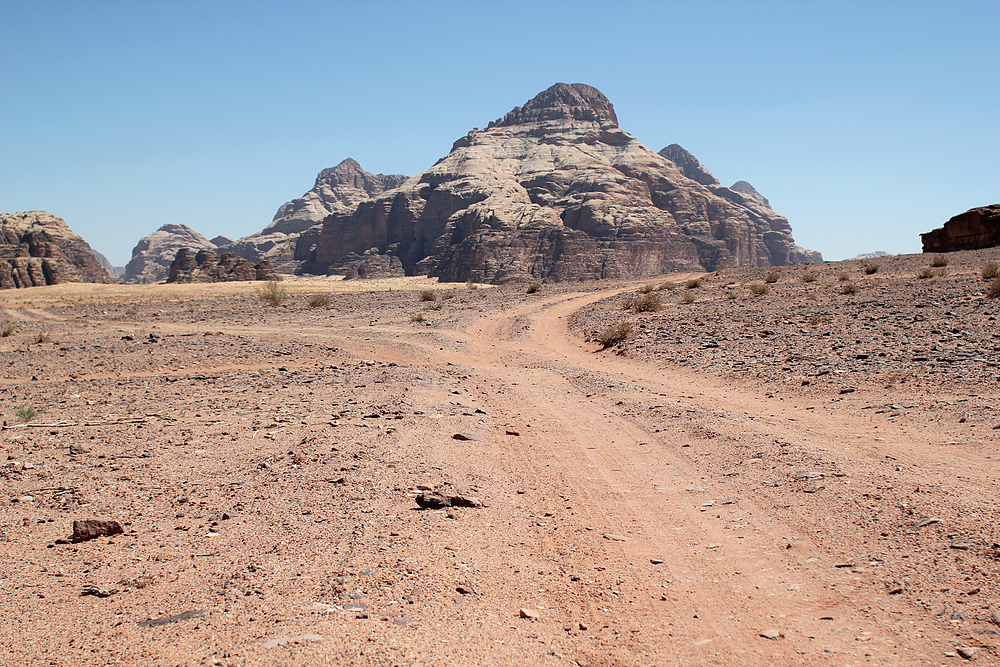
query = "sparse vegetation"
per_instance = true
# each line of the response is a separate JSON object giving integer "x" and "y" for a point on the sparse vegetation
{"x": 812, "y": 296}
{"x": 319, "y": 301}
{"x": 994, "y": 290}
{"x": 693, "y": 283}
{"x": 417, "y": 317}
{"x": 8, "y": 330}
{"x": 646, "y": 289}
{"x": 131, "y": 311}
{"x": 843, "y": 277}
{"x": 772, "y": 277}
{"x": 942, "y": 272}
{"x": 272, "y": 293}
{"x": 817, "y": 319}
{"x": 939, "y": 260}
{"x": 990, "y": 271}
{"x": 26, "y": 414}
{"x": 645, "y": 303}
{"x": 450, "y": 294}
{"x": 469, "y": 284}
{"x": 615, "y": 334}
{"x": 925, "y": 273}
{"x": 808, "y": 277}
{"x": 689, "y": 297}
{"x": 428, "y": 295}
{"x": 667, "y": 285}
{"x": 534, "y": 287}
{"x": 849, "y": 288}
{"x": 42, "y": 337}
{"x": 760, "y": 289}
{"x": 871, "y": 269}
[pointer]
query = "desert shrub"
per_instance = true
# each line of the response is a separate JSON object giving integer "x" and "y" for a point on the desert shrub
{"x": 809, "y": 277}
{"x": 42, "y": 337}
{"x": 925, "y": 273}
{"x": 990, "y": 271}
{"x": 939, "y": 260}
{"x": 760, "y": 289}
{"x": 693, "y": 283}
{"x": 646, "y": 289}
{"x": 272, "y": 293}
{"x": 667, "y": 285}
{"x": 731, "y": 295}
{"x": 812, "y": 296}
{"x": 417, "y": 317}
{"x": 26, "y": 414}
{"x": 319, "y": 301}
{"x": 942, "y": 272}
{"x": 428, "y": 295}
{"x": 450, "y": 294}
{"x": 871, "y": 269}
{"x": 689, "y": 297}
{"x": 817, "y": 319}
{"x": 614, "y": 334}
{"x": 645, "y": 303}
{"x": 843, "y": 277}
{"x": 471, "y": 285}
{"x": 994, "y": 290}
{"x": 8, "y": 330}
{"x": 534, "y": 287}
{"x": 849, "y": 288}
{"x": 772, "y": 277}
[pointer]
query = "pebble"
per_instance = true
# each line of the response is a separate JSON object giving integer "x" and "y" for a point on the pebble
{"x": 655, "y": 561}
{"x": 995, "y": 617}
{"x": 926, "y": 522}
{"x": 731, "y": 500}
{"x": 467, "y": 436}
{"x": 297, "y": 639}
{"x": 967, "y": 652}
{"x": 615, "y": 537}
{"x": 529, "y": 614}
{"x": 772, "y": 633}
{"x": 88, "y": 529}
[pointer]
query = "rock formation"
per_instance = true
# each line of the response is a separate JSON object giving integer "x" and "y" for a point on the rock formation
{"x": 206, "y": 266}
{"x": 290, "y": 238}
{"x": 974, "y": 229}
{"x": 556, "y": 190}
{"x": 105, "y": 264}
{"x": 37, "y": 248}
{"x": 153, "y": 255}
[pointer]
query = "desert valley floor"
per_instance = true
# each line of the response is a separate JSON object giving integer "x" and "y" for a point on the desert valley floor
{"x": 803, "y": 477}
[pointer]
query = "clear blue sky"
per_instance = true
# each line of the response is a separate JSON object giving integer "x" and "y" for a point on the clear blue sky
{"x": 866, "y": 123}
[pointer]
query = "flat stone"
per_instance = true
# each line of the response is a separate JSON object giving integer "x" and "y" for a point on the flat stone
{"x": 926, "y": 522}
{"x": 995, "y": 617}
{"x": 297, "y": 639}
{"x": 772, "y": 633}
{"x": 164, "y": 620}
{"x": 88, "y": 529}
{"x": 355, "y": 606}
{"x": 402, "y": 620}
{"x": 615, "y": 537}
{"x": 530, "y": 614}
{"x": 98, "y": 591}
{"x": 655, "y": 561}
{"x": 467, "y": 436}
{"x": 967, "y": 652}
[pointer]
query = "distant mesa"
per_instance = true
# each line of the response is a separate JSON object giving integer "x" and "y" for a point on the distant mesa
{"x": 870, "y": 255}
{"x": 291, "y": 237}
{"x": 153, "y": 255}
{"x": 552, "y": 190}
{"x": 206, "y": 266}
{"x": 37, "y": 248}
{"x": 976, "y": 228}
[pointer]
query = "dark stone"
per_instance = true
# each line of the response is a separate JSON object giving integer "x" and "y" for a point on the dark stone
{"x": 88, "y": 529}
{"x": 976, "y": 228}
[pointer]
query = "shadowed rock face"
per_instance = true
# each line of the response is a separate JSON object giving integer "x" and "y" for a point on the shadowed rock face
{"x": 153, "y": 255}
{"x": 290, "y": 237}
{"x": 37, "y": 248}
{"x": 556, "y": 190}
{"x": 206, "y": 266}
{"x": 974, "y": 229}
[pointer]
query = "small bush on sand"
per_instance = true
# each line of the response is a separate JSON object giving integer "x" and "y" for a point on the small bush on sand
{"x": 843, "y": 277}
{"x": 809, "y": 277}
{"x": 871, "y": 269}
{"x": 693, "y": 283}
{"x": 939, "y": 260}
{"x": 319, "y": 301}
{"x": 272, "y": 293}
{"x": 990, "y": 271}
{"x": 925, "y": 273}
{"x": 688, "y": 297}
{"x": 645, "y": 303}
{"x": 849, "y": 288}
{"x": 760, "y": 289}
{"x": 417, "y": 317}
{"x": 614, "y": 334}
{"x": 772, "y": 277}
{"x": 994, "y": 290}
{"x": 471, "y": 285}
{"x": 42, "y": 337}
{"x": 8, "y": 330}
{"x": 428, "y": 295}
{"x": 667, "y": 285}
{"x": 646, "y": 289}
{"x": 26, "y": 414}
{"x": 534, "y": 287}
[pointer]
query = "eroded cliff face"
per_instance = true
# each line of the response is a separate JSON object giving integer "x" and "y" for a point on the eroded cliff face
{"x": 37, "y": 248}
{"x": 291, "y": 236}
{"x": 153, "y": 254}
{"x": 974, "y": 229}
{"x": 555, "y": 190}
{"x": 206, "y": 266}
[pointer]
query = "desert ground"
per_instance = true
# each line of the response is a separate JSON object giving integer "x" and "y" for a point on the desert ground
{"x": 806, "y": 476}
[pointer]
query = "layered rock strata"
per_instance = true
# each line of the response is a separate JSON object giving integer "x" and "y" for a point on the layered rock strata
{"x": 37, "y": 248}
{"x": 206, "y": 266}
{"x": 974, "y": 229}
{"x": 153, "y": 255}
{"x": 555, "y": 190}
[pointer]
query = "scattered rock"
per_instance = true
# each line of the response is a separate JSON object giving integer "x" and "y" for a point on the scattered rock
{"x": 509, "y": 432}
{"x": 967, "y": 652}
{"x": 435, "y": 501}
{"x": 772, "y": 634}
{"x": 530, "y": 614}
{"x": 76, "y": 448}
{"x": 98, "y": 591}
{"x": 466, "y": 436}
{"x": 995, "y": 617}
{"x": 297, "y": 639}
{"x": 88, "y": 529}
{"x": 926, "y": 522}
{"x": 656, "y": 561}
{"x": 614, "y": 537}
{"x": 164, "y": 620}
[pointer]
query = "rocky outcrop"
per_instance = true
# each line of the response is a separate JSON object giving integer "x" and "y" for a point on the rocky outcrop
{"x": 689, "y": 165}
{"x": 556, "y": 190}
{"x": 291, "y": 236}
{"x": 974, "y": 229}
{"x": 37, "y": 248}
{"x": 105, "y": 264}
{"x": 206, "y": 266}
{"x": 153, "y": 255}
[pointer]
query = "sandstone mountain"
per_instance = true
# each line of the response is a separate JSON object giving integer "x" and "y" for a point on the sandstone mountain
{"x": 37, "y": 248}
{"x": 554, "y": 190}
{"x": 105, "y": 264}
{"x": 290, "y": 238}
{"x": 153, "y": 255}
{"x": 208, "y": 267}
{"x": 974, "y": 229}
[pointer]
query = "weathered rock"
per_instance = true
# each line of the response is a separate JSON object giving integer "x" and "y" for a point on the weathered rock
{"x": 208, "y": 267}
{"x": 88, "y": 529}
{"x": 689, "y": 165}
{"x": 37, "y": 248}
{"x": 153, "y": 256}
{"x": 292, "y": 234}
{"x": 974, "y": 229}
{"x": 555, "y": 190}
{"x": 98, "y": 591}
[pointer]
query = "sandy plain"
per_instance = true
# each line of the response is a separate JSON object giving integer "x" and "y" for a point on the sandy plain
{"x": 803, "y": 477}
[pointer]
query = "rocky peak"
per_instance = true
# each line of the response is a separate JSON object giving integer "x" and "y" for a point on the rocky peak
{"x": 37, "y": 248}
{"x": 153, "y": 254}
{"x": 689, "y": 165}
{"x": 748, "y": 190}
{"x": 563, "y": 101}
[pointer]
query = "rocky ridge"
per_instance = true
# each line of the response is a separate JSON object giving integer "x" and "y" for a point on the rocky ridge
{"x": 291, "y": 236}
{"x": 976, "y": 228}
{"x": 154, "y": 254}
{"x": 206, "y": 266}
{"x": 555, "y": 190}
{"x": 37, "y": 248}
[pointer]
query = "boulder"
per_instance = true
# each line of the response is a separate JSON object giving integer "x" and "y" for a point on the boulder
{"x": 154, "y": 254}
{"x": 37, "y": 248}
{"x": 206, "y": 266}
{"x": 976, "y": 228}
{"x": 555, "y": 190}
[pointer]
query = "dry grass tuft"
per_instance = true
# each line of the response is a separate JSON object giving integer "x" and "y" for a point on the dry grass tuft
{"x": 772, "y": 277}
{"x": 534, "y": 287}
{"x": 8, "y": 330}
{"x": 272, "y": 293}
{"x": 615, "y": 334}
{"x": 939, "y": 260}
{"x": 320, "y": 301}
{"x": 871, "y": 269}
{"x": 994, "y": 290}
{"x": 689, "y": 297}
{"x": 925, "y": 273}
{"x": 645, "y": 303}
{"x": 693, "y": 283}
{"x": 809, "y": 277}
{"x": 428, "y": 295}
{"x": 990, "y": 271}
{"x": 849, "y": 288}
{"x": 667, "y": 285}
{"x": 760, "y": 289}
